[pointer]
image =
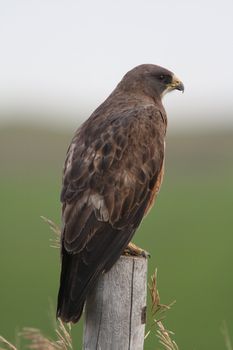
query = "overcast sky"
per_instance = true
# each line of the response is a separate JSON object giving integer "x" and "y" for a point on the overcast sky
{"x": 68, "y": 55}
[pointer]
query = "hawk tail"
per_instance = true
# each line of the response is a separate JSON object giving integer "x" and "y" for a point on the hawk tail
{"x": 80, "y": 271}
{"x": 69, "y": 309}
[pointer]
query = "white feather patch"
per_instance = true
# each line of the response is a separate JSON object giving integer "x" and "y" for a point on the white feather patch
{"x": 99, "y": 204}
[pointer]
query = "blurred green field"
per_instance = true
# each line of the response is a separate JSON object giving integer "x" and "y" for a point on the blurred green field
{"x": 189, "y": 234}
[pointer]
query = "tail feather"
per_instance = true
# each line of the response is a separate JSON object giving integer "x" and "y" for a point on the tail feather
{"x": 67, "y": 309}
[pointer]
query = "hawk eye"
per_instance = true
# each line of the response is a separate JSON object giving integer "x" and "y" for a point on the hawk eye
{"x": 161, "y": 77}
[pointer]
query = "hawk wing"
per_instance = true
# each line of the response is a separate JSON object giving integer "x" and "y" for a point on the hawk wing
{"x": 112, "y": 174}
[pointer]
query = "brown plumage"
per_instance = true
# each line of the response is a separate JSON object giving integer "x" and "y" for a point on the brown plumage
{"x": 112, "y": 174}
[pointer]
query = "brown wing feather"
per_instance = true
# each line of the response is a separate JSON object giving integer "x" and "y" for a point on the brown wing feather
{"x": 111, "y": 173}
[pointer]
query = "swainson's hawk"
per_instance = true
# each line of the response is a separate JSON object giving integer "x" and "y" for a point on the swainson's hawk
{"x": 112, "y": 174}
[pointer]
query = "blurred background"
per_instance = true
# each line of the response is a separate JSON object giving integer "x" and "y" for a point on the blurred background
{"x": 59, "y": 60}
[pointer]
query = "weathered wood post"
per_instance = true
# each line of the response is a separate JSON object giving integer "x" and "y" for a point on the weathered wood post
{"x": 115, "y": 313}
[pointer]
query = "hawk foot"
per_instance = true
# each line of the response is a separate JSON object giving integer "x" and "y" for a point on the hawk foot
{"x": 133, "y": 250}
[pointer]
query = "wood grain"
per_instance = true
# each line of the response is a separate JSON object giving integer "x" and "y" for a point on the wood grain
{"x": 115, "y": 308}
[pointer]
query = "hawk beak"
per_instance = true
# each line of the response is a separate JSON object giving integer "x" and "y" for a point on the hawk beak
{"x": 176, "y": 84}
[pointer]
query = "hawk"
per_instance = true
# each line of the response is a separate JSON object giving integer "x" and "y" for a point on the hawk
{"x": 112, "y": 175}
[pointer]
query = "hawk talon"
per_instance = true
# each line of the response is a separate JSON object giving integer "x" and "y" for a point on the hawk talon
{"x": 133, "y": 250}
{"x": 146, "y": 254}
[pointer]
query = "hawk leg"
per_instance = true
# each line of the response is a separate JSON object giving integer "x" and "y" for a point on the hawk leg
{"x": 133, "y": 250}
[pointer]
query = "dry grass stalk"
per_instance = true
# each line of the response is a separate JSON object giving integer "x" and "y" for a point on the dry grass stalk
{"x": 226, "y": 336}
{"x": 7, "y": 343}
{"x": 37, "y": 341}
{"x": 55, "y": 241}
{"x": 165, "y": 337}
{"x": 158, "y": 310}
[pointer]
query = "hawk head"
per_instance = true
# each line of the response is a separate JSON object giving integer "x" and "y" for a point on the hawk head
{"x": 152, "y": 80}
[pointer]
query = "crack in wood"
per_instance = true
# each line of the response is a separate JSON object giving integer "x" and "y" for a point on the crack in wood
{"x": 101, "y": 313}
{"x": 131, "y": 305}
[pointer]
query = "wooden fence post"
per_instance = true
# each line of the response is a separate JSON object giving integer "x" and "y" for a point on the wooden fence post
{"x": 115, "y": 312}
